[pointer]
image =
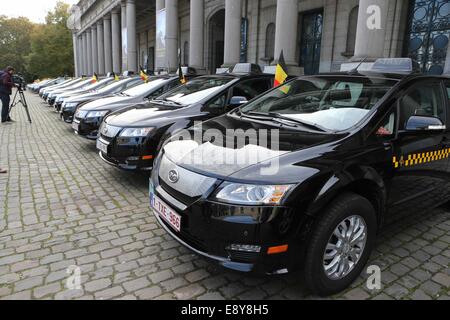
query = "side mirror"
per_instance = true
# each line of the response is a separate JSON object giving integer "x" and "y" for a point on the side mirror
{"x": 238, "y": 101}
{"x": 420, "y": 123}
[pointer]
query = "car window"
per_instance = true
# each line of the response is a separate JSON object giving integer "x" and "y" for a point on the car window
{"x": 387, "y": 128}
{"x": 155, "y": 94}
{"x": 423, "y": 99}
{"x": 251, "y": 88}
{"x": 218, "y": 102}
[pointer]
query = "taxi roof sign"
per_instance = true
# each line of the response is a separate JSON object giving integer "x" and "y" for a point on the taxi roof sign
{"x": 395, "y": 65}
{"x": 247, "y": 68}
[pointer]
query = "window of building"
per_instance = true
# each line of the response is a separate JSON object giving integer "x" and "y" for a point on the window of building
{"x": 270, "y": 43}
{"x": 351, "y": 32}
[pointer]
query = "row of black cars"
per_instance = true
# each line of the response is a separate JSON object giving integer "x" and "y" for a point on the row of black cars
{"x": 271, "y": 180}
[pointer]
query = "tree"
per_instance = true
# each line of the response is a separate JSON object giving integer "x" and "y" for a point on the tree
{"x": 15, "y": 34}
{"x": 51, "y": 45}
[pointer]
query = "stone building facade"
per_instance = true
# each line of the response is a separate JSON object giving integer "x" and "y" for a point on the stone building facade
{"x": 314, "y": 35}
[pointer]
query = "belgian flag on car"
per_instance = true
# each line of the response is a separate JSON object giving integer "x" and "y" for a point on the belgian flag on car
{"x": 116, "y": 77}
{"x": 144, "y": 75}
{"x": 95, "y": 78}
{"x": 281, "y": 73}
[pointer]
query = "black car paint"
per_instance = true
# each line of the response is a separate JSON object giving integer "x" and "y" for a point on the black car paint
{"x": 356, "y": 160}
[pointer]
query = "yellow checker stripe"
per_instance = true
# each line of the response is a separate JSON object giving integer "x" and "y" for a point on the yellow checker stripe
{"x": 420, "y": 158}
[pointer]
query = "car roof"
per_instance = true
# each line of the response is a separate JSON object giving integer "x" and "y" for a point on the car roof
{"x": 242, "y": 76}
{"x": 387, "y": 76}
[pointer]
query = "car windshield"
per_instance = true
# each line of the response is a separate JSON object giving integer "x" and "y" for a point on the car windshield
{"x": 98, "y": 84}
{"x": 145, "y": 88}
{"x": 195, "y": 90}
{"x": 323, "y": 103}
{"x": 116, "y": 85}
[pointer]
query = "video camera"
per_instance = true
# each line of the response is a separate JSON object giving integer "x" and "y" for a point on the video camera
{"x": 19, "y": 82}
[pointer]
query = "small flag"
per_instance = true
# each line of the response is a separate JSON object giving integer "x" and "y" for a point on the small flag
{"x": 116, "y": 77}
{"x": 281, "y": 72}
{"x": 144, "y": 75}
{"x": 94, "y": 78}
{"x": 181, "y": 75}
{"x": 180, "y": 69}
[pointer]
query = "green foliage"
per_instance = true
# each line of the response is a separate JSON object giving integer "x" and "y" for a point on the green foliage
{"x": 38, "y": 50}
{"x": 14, "y": 42}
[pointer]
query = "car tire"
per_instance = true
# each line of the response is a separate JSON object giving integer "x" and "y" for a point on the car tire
{"x": 348, "y": 210}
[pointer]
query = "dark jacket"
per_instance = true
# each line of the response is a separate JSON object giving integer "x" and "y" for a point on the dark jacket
{"x": 6, "y": 83}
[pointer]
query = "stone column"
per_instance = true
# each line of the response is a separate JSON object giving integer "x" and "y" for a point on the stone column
{"x": 196, "y": 59}
{"x": 286, "y": 34}
{"x": 172, "y": 35}
{"x": 447, "y": 62}
{"x": 94, "y": 48}
{"x": 123, "y": 17}
{"x": 107, "y": 50}
{"x": 233, "y": 18}
{"x": 100, "y": 47}
{"x": 371, "y": 30}
{"x": 75, "y": 54}
{"x": 159, "y": 62}
{"x": 89, "y": 52}
{"x": 85, "y": 54}
{"x": 131, "y": 36}
{"x": 115, "y": 40}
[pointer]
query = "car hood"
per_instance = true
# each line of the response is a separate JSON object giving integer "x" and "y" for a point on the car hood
{"x": 145, "y": 115}
{"x": 222, "y": 157}
{"x": 109, "y": 103}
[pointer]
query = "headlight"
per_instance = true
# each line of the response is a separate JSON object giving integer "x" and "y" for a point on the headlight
{"x": 71, "y": 105}
{"x": 136, "y": 132}
{"x": 97, "y": 114}
{"x": 81, "y": 114}
{"x": 252, "y": 194}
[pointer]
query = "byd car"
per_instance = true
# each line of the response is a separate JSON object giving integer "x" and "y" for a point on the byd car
{"x": 89, "y": 117}
{"x": 71, "y": 104}
{"x": 304, "y": 176}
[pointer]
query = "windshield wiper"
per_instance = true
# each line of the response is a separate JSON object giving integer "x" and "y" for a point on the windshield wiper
{"x": 281, "y": 119}
{"x": 167, "y": 102}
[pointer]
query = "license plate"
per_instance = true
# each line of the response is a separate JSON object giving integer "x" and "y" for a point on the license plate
{"x": 165, "y": 212}
{"x": 75, "y": 125}
{"x": 103, "y": 147}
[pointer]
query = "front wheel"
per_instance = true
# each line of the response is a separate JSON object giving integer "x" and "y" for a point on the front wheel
{"x": 340, "y": 245}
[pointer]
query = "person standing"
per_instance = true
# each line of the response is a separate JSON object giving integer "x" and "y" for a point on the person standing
{"x": 6, "y": 85}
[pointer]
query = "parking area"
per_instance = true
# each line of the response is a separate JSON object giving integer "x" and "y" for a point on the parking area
{"x": 61, "y": 206}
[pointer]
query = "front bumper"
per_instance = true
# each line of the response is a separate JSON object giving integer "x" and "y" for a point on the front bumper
{"x": 87, "y": 127}
{"x": 213, "y": 229}
{"x": 67, "y": 114}
{"x": 131, "y": 154}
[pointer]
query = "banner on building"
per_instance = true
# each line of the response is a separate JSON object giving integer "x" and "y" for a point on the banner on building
{"x": 160, "y": 54}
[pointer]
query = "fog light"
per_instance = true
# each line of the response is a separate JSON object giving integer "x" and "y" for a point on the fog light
{"x": 133, "y": 159}
{"x": 279, "y": 249}
{"x": 244, "y": 248}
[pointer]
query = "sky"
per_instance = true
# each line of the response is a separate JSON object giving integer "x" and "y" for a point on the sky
{"x": 35, "y": 10}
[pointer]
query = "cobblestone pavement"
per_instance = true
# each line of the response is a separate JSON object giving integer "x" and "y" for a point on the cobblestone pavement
{"x": 61, "y": 206}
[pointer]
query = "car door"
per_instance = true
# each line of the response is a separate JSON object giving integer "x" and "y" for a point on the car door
{"x": 420, "y": 158}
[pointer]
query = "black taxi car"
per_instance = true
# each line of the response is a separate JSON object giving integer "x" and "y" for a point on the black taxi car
{"x": 89, "y": 117}
{"x": 131, "y": 138}
{"x": 304, "y": 176}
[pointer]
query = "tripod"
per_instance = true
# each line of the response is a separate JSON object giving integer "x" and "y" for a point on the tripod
{"x": 19, "y": 97}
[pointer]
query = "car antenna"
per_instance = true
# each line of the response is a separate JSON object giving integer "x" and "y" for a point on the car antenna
{"x": 355, "y": 70}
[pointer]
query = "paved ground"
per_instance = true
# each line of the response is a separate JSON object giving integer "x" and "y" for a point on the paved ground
{"x": 61, "y": 206}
